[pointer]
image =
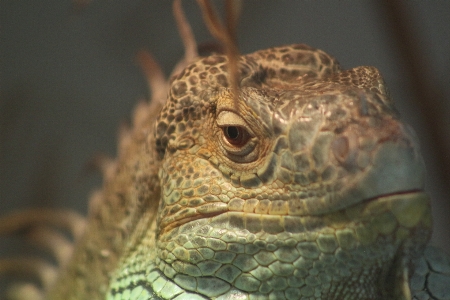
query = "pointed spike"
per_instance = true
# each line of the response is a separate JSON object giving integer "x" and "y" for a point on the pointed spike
{"x": 24, "y": 291}
{"x": 185, "y": 30}
{"x": 125, "y": 137}
{"x": 54, "y": 242}
{"x": 64, "y": 219}
{"x": 140, "y": 114}
{"x": 155, "y": 76}
{"x": 39, "y": 268}
{"x": 101, "y": 163}
{"x": 95, "y": 202}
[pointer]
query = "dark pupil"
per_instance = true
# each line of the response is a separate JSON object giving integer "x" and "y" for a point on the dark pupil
{"x": 232, "y": 132}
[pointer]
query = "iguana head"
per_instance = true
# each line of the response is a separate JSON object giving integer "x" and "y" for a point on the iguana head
{"x": 303, "y": 181}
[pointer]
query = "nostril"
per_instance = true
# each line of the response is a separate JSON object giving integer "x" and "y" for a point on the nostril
{"x": 340, "y": 148}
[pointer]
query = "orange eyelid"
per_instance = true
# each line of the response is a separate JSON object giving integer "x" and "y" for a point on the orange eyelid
{"x": 229, "y": 118}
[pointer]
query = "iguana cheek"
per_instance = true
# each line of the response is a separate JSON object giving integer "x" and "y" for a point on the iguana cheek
{"x": 254, "y": 251}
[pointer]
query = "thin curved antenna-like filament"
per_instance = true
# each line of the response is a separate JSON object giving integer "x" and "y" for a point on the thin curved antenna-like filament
{"x": 225, "y": 34}
{"x": 187, "y": 37}
{"x": 185, "y": 30}
{"x": 233, "y": 9}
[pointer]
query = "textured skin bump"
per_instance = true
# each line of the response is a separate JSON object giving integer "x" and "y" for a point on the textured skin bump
{"x": 431, "y": 279}
{"x": 322, "y": 201}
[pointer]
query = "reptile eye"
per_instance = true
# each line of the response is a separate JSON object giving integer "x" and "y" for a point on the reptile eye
{"x": 236, "y": 138}
{"x": 236, "y": 135}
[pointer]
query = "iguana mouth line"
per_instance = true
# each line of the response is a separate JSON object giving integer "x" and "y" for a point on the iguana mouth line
{"x": 224, "y": 209}
{"x": 178, "y": 223}
{"x": 405, "y": 192}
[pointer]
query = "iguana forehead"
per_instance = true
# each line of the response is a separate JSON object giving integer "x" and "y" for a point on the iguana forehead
{"x": 192, "y": 90}
{"x": 329, "y": 138}
{"x": 279, "y": 82}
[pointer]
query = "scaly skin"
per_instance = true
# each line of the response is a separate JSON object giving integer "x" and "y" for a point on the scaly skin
{"x": 303, "y": 185}
{"x": 320, "y": 197}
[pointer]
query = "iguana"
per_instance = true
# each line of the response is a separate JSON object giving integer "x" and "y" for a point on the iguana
{"x": 271, "y": 175}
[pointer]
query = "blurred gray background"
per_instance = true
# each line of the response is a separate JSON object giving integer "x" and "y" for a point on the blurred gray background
{"x": 68, "y": 78}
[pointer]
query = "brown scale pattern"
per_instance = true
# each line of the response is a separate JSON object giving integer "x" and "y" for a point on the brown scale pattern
{"x": 292, "y": 205}
{"x": 301, "y": 183}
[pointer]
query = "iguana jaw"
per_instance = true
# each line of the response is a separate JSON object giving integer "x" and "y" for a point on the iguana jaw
{"x": 364, "y": 238}
{"x": 276, "y": 223}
